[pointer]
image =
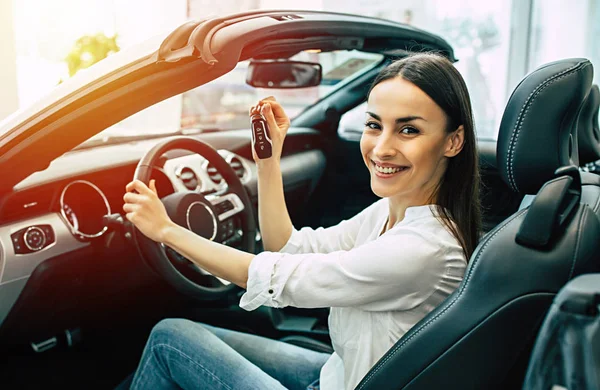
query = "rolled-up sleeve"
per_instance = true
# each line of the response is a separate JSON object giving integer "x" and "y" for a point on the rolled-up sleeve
{"x": 395, "y": 272}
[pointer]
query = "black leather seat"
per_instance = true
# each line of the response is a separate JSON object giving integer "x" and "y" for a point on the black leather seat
{"x": 588, "y": 141}
{"x": 481, "y": 336}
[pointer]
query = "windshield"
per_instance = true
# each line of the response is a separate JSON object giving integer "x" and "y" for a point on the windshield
{"x": 223, "y": 103}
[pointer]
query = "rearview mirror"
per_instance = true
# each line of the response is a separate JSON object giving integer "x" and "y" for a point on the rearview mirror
{"x": 283, "y": 74}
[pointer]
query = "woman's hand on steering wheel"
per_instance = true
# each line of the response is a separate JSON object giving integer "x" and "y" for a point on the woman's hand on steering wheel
{"x": 145, "y": 210}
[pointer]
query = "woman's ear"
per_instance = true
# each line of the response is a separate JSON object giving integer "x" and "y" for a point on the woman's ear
{"x": 455, "y": 142}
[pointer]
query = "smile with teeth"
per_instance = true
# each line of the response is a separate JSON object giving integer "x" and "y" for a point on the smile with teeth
{"x": 388, "y": 170}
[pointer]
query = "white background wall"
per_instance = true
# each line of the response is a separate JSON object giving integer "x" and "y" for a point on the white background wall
{"x": 8, "y": 66}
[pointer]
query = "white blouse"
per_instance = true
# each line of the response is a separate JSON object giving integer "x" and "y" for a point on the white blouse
{"x": 378, "y": 287}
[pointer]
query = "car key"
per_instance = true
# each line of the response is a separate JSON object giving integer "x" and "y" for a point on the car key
{"x": 261, "y": 140}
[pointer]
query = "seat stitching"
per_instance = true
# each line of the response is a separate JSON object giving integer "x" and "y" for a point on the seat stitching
{"x": 577, "y": 240}
{"x": 456, "y": 298}
{"x": 521, "y": 119}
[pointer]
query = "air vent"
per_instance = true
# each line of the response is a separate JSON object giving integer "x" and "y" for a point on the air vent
{"x": 214, "y": 175}
{"x": 188, "y": 178}
{"x": 237, "y": 166}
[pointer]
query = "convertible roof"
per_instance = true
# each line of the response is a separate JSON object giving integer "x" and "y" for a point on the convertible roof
{"x": 346, "y": 31}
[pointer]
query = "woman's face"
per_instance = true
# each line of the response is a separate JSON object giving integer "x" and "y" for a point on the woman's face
{"x": 405, "y": 144}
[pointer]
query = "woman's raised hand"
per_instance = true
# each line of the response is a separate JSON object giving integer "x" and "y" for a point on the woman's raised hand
{"x": 145, "y": 210}
{"x": 277, "y": 121}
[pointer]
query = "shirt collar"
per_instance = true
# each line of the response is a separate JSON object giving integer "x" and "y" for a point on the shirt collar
{"x": 415, "y": 212}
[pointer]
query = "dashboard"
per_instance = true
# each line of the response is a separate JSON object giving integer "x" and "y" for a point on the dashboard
{"x": 59, "y": 212}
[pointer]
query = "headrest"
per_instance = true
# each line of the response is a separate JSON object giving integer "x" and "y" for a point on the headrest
{"x": 538, "y": 128}
{"x": 588, "y": 129}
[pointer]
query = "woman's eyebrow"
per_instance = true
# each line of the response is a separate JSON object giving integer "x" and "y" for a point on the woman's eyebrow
{"x": 399, "y": 120}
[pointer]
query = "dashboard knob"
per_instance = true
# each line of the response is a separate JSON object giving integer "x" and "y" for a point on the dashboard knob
{"x": 34, "y": 238}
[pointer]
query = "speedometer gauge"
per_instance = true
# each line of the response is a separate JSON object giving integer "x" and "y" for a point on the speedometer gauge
{"x": 71, "y": 217}
{"x": 83, "y": 206}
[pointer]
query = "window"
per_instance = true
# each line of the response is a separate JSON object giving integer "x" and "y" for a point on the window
{"x": 224, "y": 103}
{"x": 565, "y": 30}
{"x": 479, "y": 32}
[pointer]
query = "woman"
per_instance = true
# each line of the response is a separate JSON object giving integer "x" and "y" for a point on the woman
{"x": 380, "y": 272}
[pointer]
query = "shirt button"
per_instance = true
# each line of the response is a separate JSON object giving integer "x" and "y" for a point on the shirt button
{"x": 270, "y": 291}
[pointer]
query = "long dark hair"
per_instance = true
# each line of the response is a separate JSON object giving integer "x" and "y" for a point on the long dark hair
{"x": 457, "y": 195}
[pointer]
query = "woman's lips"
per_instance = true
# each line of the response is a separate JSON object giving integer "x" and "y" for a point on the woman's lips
{"x": 387, "y": 170}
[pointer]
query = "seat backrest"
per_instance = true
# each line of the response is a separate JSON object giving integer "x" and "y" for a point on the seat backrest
{"x": 481, "y": 336}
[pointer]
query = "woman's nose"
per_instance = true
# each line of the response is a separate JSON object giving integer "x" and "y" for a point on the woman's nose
{"x": 385, "y": 146}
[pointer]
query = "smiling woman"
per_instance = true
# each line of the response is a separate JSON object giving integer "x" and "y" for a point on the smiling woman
{"x": 419, "y": 133}
{"x": 428, "y": 120}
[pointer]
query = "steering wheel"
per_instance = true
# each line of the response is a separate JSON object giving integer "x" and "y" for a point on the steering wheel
{"x": 210, "y": 217}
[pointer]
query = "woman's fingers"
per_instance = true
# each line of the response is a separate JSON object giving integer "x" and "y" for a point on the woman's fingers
{"x": 153, "y": 186}
{"x": 275, "y": 106}
{"x": 134, "y": 200}
{"x": 138, "y": 186}
{"x": 130, "y": 208}
{"x": 267, "y": 113}
{"x": 131, "y": 197}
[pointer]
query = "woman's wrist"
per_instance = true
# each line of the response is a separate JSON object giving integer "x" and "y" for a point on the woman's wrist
{"x": 268, "y": 164}
{"x": 168, "y": 232}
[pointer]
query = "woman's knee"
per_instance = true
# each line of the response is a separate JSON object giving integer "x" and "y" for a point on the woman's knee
{"x": 174, "y": 331}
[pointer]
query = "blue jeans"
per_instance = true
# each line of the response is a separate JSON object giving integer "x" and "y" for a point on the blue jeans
{"x": 189, "y": 355}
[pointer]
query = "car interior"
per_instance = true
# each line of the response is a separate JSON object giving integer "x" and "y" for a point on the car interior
{"x": 81, "y": 289}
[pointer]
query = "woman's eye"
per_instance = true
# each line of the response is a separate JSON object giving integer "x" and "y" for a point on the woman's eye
{"x": 372, "y": 125}
{"x": 409, "y": 130}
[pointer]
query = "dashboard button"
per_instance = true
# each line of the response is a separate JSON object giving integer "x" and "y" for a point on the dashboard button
{"x": 49, "y": 233}
{"x": 17, "y": 241}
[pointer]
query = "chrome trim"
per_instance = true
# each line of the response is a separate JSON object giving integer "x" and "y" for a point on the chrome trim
{"x": 43, "y": 236}
{"x": 245, "y": 177}
{"x": 238, "y": 206}
{"x": 178, "y": 171}
{"x": 28, "y": 205}
{"x": 64, "y": 215}
{"x": 69, "y": 337}
{"x": 205, "y": 169}
{"x": 228, "y": 156}
{"x": 44, "y": 345}
{"x": 192, "y": 161}
{"x": 187, "y": 218}
{"x": 15, "y": 266}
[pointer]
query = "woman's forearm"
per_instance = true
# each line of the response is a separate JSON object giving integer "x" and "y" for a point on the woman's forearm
{"x": 274, "y": 219}
{"x": 220, "y": 260}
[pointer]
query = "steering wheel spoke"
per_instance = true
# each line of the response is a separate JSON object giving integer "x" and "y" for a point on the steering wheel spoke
{"x": 226, "y": 205}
